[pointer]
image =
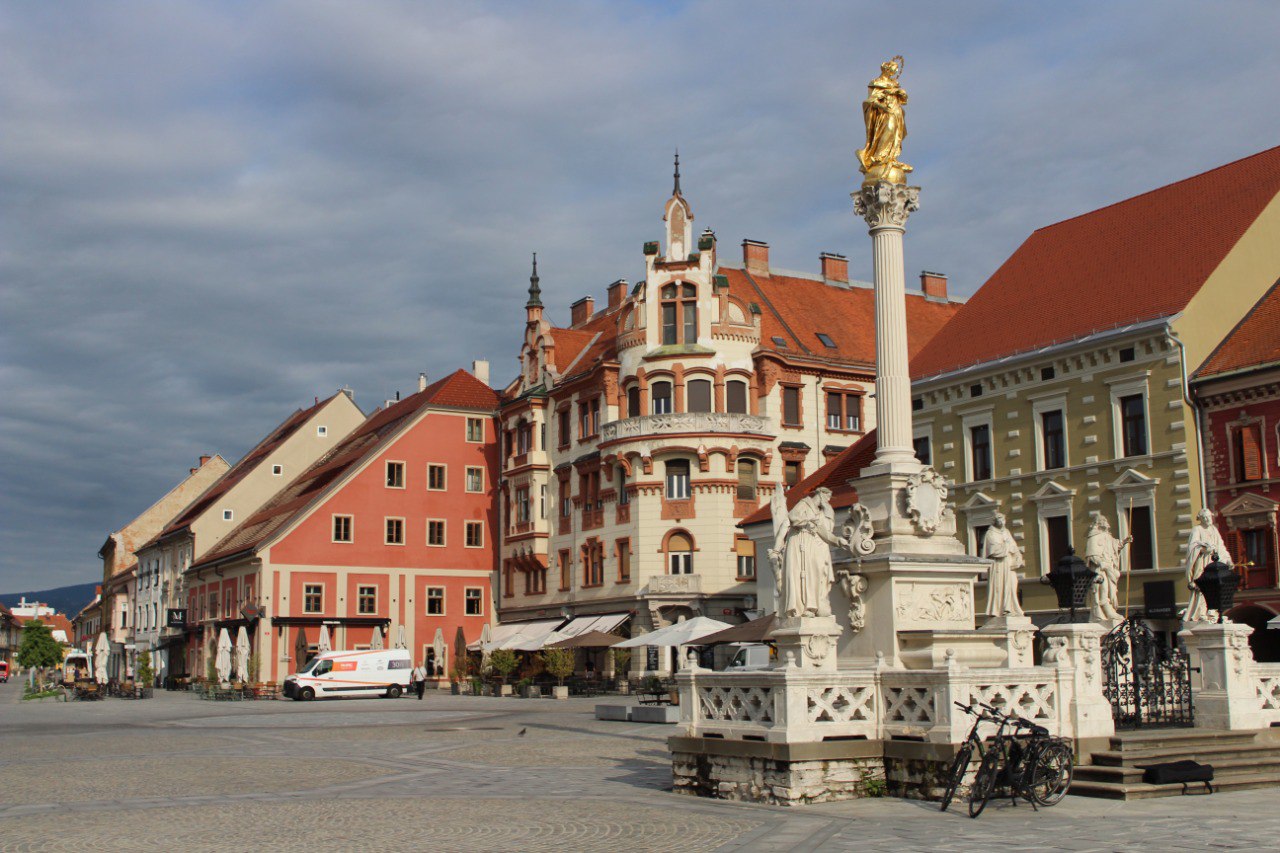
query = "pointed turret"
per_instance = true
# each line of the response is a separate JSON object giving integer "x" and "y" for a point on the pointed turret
{"x": 679, "y": 219}
{"x": 533, "y": 308}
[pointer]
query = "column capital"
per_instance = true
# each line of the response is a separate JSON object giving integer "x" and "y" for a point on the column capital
{"x": 886, "y": 205}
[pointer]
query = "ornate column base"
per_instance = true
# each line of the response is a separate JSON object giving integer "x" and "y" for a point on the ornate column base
{"x": 1226, "y": 696}
{"x": 1017, "y": 634}
{"x": 806, "y": 642}
{"x": 1077, "y": 646}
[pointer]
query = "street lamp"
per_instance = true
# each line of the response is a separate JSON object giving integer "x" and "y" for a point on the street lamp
{"x": 1218, "y": 584}
{"x": 1070, "y": 578}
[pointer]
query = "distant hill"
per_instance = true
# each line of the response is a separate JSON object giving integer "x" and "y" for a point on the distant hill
{"x": 64, "y": 599}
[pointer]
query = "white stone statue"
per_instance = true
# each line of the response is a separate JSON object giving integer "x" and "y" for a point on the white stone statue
{"x": 1202, "y": 544}
{"x": 801, "y": 554}
{"x": 1104, "y": 554}
{"x": 999, "y": 546}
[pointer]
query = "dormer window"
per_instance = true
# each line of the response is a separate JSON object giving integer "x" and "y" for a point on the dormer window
{"x": 679, "y": 314}
{"x": 826, "y": 340}
{"x": 779, "y": 341}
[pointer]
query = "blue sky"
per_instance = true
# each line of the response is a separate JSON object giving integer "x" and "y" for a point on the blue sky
{"x": 211, "y": 213}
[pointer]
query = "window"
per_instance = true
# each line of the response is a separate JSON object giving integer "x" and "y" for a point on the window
{"x": 522, "y": 504}
{"x": 1133, "y": 424}
{"x": 624, "y": 559}
{"x": 746, "y": 558}
{"x": 679, "y": 314}
{"x": 277, "y": 470}
{"x": 395, "y": 531}
{"x": 680, "y": 554}
{"x": 791, "y": 406}
{"x": 746, "y": 480}
{"x": 435, "y": 601}
{"x": 564, "y": 435}
{"x": 975, "y": 390}
{"x": 917, "y": 404}
{"x": 322, "y": 431}
{"x": 1055, "y": 440}
{"x": 475, "y": 479}
{"x": 980, "y": 539}
{"x": 435, "y": 532}
{"x": 1057, "y": 531}
{"x": 1127, "y": 354}
{"x": 366, "y": 600}
{"x": 566, "y": 571}
{"x": 475, "y": 430}
{"x": 779, "y": 341}
{"x": 228, "y": 514}
{"x": 1047, "y": 373}
{"x": 566, "y": 499}
{"x": 633, "y": 402}
{"x": 698, "y": 395}
{"x": 524, "y": 436}
{"x": 1142, "y": 551}
{"x": 924, "y": 449}
{"x": 1246, "y": 452}
{"x": 660, "y": 394}
{"x": 980, "y": 452}
{"x": 436, "y": 478}
{"x": 312, "y": 598}
{"x": 342, "y": 528}
{"x": 826, "y": 340}
{"x": 620, "y": 479}
{"x": 844, "y": 411}
{"x": 735, "y": 396}
{"x": 475, "y": 534}
{"x": 542, "y": 502}
{"x": 592, "y": 564}
{"x": 792, "y": 473}
{"x": 473, "y": 601}
{"x": 677, "y": 479}
{"x": 395, "y": 475}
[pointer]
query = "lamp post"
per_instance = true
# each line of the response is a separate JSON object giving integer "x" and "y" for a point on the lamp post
{"x": 1070, "y": 578}
{"x": 1218, "y": 584}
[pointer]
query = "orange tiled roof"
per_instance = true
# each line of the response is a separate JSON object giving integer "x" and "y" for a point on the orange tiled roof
{"x": 836, "y": 475}
{"x": 56, "y": 622}
{"x": 457, "y": 390}
{"x": 1139, "y": 259}
{"x": 1254, "y": 342}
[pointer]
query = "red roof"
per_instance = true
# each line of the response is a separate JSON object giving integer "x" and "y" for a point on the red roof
{"x": 836, "y": 475}
{"x": 1254, "y": 342}
{"x": 457, "y": 390}
{"x": 56, "y": 622}
{"x": 1136, "y": 260}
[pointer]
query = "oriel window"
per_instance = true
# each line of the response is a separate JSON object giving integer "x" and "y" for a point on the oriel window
{"x": 679, "y": 314}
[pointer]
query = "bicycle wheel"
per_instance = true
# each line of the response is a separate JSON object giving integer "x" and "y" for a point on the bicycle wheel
{"x": 958, "y": 768}
{"x": 984, "y": 782}
{"x": 1049, "y": 772}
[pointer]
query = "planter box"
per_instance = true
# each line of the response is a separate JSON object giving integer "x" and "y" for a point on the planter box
{"x": 560, "y": 692}
{"x": 624, "y": 688}
{"x": 532, "y": 691}
{"x": 504, "y": 690}
{"x": 455, "y": 689}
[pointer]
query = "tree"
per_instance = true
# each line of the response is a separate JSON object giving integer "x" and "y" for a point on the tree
{"x": 621, "y": 660}
{"x": 503, "y": 662}
{"x": 145, "y": 673}
{"x": 38, "y": 649}
{"x": 559, "y": 662}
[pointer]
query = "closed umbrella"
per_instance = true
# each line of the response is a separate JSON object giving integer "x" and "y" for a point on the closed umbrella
{"x": 242, "y": 654}
{"x": 300, "y": 649}
{"x": 322, "y": 644}
{"x": 223, "y": 662}
{"x": 402, "y": 642}
{"x": 437, "y": 645}
{"x": 375, "y": 642}
{"x": 100, "y": 659}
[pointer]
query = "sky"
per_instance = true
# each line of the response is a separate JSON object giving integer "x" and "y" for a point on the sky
{"x": 212, "y": 213}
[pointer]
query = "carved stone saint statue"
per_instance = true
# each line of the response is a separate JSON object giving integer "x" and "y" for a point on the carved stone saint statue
{"x": 886, "y": 127}
{"x": 1202, "y": 544}
{"x": 999, "y": 546}
{"x": 802, "y": 554}
{"x": 1104, "y": 554}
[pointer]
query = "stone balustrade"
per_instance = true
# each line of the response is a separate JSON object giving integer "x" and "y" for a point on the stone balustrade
{"x": 1267, "y": 680}
{"x": 684, "y": 422}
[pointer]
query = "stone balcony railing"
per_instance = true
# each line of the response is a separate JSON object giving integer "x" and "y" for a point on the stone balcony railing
{"x": 684, "y": 422}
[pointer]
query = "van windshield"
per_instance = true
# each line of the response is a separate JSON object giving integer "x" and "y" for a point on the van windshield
{"x": 740, "y": 659}
{"x": 310, "y": 665}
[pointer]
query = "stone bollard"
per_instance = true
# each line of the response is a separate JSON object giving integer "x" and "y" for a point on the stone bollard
{"x": 1076, "y": 648}
{"x": 1225, "y": 694}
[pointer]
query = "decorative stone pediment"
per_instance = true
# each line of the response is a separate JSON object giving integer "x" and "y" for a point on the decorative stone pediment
{"x": 1250, "y": 511}
{"x": 1053, "y": 490}
{"x": 980, "y": 502}
{"x": 1131, "y": 480}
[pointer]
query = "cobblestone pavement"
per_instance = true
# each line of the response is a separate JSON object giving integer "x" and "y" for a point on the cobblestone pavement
{"x": 454, "y": 773}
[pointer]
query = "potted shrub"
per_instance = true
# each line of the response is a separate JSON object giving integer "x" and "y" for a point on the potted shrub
{"x": 503, "y": 662}
{"x": 559, "y": 664}
{"x": 146, "y": 675}
{"x": 621, "y": 661}
{"x": 526, "y": 688}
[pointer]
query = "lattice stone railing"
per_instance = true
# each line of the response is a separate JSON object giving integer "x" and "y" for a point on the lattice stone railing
{"x": 841, "y": 703}
{"x": 1037, "y": 701}
{"x": 737, "y": 704}
{"x": 1267, "y": 678}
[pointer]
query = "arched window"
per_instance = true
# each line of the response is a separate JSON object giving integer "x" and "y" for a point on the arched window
{"x": 620, "y": 482}
{"x": 679, "y": 314}
{"x": 746, "y": 480}
{"x": 633, "y": 402}
{"x": 680, "y": 554}
{"x": 735, "y": 396}
{"x": 698, "y": 395}
{"x": 660, "y": 392}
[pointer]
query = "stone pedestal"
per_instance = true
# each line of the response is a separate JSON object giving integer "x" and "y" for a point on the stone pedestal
{"x": 1016, "y": 635}
{"x": 1077, "y": 646}
{"x": 806, "y": 642}
{"x": 1224, "y": 691}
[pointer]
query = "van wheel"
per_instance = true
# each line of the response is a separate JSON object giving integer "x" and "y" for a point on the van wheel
{"x": 306, "y": 694}
{"x": 393, "y": 692}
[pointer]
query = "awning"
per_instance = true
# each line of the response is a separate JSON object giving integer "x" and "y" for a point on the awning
{"x": 755, "y": 631}
{"x": 680, "y": 634}
{"x": 586, "y": 624}
{"x": 589, "y": 640}
{"x": 517, "y": 636}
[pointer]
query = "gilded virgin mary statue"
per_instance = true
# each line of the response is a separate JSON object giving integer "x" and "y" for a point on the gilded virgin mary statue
{"x": 886, "y": 127}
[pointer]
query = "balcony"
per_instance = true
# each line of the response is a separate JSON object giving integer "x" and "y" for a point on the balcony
{"x": 684, "y": 422}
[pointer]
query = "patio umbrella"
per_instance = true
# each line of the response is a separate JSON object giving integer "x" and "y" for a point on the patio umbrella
{"x": 375, "y": 642}
{"x": 322, "y": 644}
{"x": 242, "y": 654}
{"x": 486, "y": 638}
{"x": 755, "y": 631}
{"x": 589, "y": 640}
{"x": 680, "y": 634}
{"x": 437, "y": 646}
{"x": 300, "y": 649}
{"x": 401, "y": 641}
{"x": 223, "y": 663}
{"x": 100, "y": 659}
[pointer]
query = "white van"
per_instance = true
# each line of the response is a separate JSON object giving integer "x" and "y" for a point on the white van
{"x": 380, "y": 672}
{"x": 751, "y": 657}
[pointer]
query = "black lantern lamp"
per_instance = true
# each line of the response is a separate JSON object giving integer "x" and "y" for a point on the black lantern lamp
{"x": 1071, "y": 578}
{"x": 1218, "y": 584}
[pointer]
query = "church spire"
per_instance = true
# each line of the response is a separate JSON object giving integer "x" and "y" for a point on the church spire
{"x": 535, "y": 292}
{"x": 676, "y": 190}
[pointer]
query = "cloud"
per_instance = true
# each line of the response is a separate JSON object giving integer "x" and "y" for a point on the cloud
{"x": 216, "y": 212}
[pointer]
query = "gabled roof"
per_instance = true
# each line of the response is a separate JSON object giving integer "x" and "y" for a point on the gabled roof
{"x": 1254, "y": 342}
{"x": 56, "y": 622}
{"x": 836, "y": 475}
{"x": 458, "y": 390}
{"x": 241, "y": 469}
{"x": 1137, "y": 260}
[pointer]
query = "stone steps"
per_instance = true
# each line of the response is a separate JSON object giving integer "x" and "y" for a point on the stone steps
{"x": 1240, "y": 760}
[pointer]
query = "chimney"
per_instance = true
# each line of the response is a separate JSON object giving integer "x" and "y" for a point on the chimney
{"x": 617, "y": 292}
{"x": 581, "y": 311}
{"x": 480, "y": 370}
{"x": 834, "y": 267}
{"x": 934, "y": 284}
{"x": 422, "y": 381}
{"x": 755, "y": 256}
{"x": 204, "y": 459}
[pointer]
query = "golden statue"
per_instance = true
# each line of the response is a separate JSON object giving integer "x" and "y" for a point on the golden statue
{"x": 886, "y": 127}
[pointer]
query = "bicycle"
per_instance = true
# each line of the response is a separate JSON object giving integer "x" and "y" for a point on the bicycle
{"x": 964, "y": 754}
{"x": 1034, "y": 766}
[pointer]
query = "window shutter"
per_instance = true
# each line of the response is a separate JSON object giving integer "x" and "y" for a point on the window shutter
{"x": 1251, "y": 453}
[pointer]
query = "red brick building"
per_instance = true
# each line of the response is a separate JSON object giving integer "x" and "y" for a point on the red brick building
{"x": 394, "y": 527}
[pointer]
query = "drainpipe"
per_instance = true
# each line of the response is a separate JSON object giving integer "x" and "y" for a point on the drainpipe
{"x": 1199, "y": 415}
